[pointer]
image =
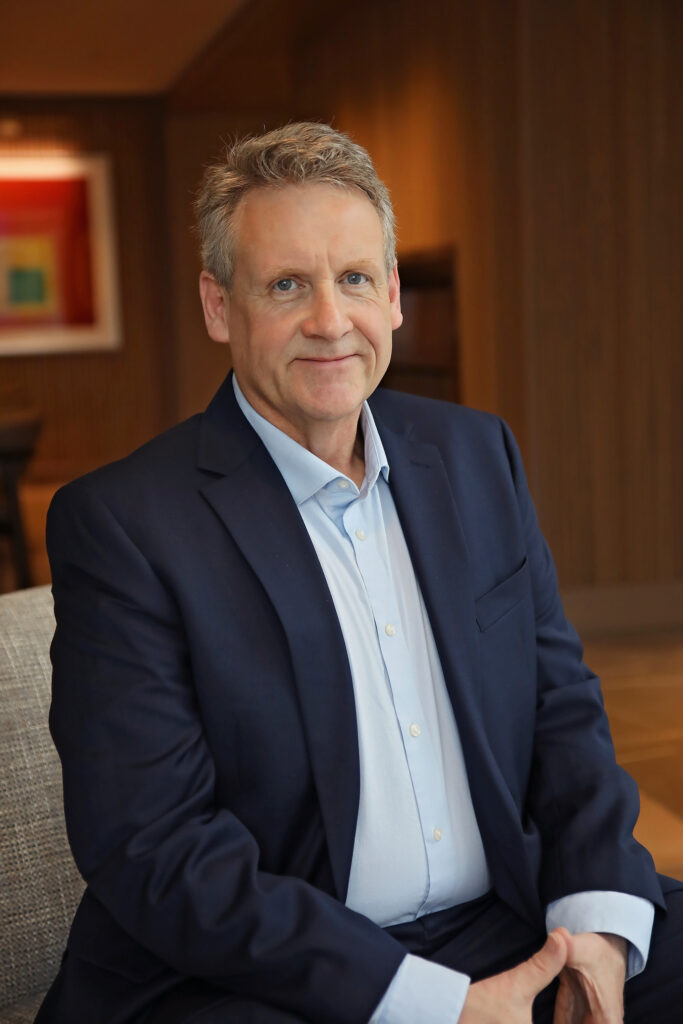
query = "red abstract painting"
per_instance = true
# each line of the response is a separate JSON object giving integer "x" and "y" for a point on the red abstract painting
{"x": 45, "y": 253}
{"x": 58, "y": 281}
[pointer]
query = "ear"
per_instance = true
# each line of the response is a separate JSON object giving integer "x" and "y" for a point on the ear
{"x": 215, "y": 302}
{"x": 395, "y": 298}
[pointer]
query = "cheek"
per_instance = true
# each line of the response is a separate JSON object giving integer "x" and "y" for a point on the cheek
{"x": 264, "y": 347}
{"x": 273, "y": 335}
{"x": 382, "y": 342}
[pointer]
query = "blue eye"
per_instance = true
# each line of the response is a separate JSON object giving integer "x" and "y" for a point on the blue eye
{"x": 287, "y": 284}
{"x": 356, "y": 278}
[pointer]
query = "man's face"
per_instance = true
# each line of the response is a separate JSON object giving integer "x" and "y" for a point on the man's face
{"x": 310, "y": 312}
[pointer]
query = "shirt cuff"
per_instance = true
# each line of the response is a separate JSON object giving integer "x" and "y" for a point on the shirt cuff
{"x": 618, "y": 913}
{"x": 421, "y": 990}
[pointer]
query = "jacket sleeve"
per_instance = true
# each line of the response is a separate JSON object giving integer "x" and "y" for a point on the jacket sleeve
{"x": 584, "y": 804}
{"x": 178, "y": 874}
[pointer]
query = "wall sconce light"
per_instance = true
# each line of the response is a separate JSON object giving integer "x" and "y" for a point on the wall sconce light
{"x": 10, "y": 129}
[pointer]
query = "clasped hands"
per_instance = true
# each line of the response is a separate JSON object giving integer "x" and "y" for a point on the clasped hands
{"x": 591, "y": 969}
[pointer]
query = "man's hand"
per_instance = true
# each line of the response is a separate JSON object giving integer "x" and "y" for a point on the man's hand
{"x": 508, "y": 997}
{"x": 592, "y": 983}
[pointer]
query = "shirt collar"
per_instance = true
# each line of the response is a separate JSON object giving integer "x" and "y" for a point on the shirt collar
{"x": 303, "y": 472}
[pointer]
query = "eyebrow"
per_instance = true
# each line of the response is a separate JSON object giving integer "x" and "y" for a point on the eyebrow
{"x": 275, "y": 273}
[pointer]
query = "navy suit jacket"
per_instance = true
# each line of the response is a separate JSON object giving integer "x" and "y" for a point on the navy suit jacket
{"x": 203, "y": 709}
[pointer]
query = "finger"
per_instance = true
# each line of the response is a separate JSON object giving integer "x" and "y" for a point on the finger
{"x": 570, "y": 1006}
{"x": 545, "y": 965}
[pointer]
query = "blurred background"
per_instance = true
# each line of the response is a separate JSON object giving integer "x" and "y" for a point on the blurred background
{"x": 534, "y": 153}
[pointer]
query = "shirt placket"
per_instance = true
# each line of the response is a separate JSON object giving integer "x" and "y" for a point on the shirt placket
{"x": 362, "y": 523}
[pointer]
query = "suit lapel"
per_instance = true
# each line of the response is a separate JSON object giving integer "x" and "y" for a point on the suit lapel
{"x": 253, "y": 502}
{"x": 431, "y": 525}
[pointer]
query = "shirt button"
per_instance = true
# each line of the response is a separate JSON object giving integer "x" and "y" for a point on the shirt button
{"x": 438, "y": 834}
{"x": 343, "y": 485}
{"x": 415, "y": 729}
{"x": 389, "y": 629}
{"x": 360, "y": 534}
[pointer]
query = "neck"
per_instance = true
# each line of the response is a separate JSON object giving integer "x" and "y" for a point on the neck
{"x": 341, "y": 448}
{"x": 339, "y": 443}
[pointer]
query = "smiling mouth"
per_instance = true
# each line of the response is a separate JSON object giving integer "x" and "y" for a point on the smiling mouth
{"x": 325, "y": 360}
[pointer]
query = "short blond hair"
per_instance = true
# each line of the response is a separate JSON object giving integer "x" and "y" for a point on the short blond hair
{"x": 292, "y": 155}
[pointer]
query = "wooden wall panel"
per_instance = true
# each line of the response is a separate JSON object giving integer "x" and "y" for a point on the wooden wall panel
{"x": 248, "y": 65}
{"x": 649, "y": 154}
{"x": 568, "y": 108}
{"x": 98, "y": 406}
{"x": 483, "y": 46}
{"x": 602, "y": 89}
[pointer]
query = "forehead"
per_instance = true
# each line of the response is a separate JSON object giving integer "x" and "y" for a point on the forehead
{"x": 291, "y": 223}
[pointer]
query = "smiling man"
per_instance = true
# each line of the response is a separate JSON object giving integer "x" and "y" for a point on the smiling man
{"x": 330, "y": 752}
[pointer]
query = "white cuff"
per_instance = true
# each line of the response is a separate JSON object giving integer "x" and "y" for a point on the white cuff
{"x": 422, "y": 991}
{"x": 618, "y": 913}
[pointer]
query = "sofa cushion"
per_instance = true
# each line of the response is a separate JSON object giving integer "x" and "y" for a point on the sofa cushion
{"x": 39, "y": 884}
{"x": 23, "y": 1012}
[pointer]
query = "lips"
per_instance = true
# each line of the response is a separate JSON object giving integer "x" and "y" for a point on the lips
{"x": 326, "y": 360}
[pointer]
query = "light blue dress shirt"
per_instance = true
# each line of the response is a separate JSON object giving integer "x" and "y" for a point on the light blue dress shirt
{"x": 417, "y": 847}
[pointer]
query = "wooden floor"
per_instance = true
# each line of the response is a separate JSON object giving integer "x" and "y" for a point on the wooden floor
{"x": 642, "y": 679}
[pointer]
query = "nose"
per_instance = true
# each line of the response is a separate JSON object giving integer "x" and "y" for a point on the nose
{"x": 326, "y": 317}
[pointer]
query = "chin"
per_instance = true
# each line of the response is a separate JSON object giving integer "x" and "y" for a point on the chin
{"x": 334, "y": 402}
{"x": 332, "y": 413}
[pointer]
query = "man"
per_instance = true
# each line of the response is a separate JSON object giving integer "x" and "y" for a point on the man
{"x": 329, "y": 750}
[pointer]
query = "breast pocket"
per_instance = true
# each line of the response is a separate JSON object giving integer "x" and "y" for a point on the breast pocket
{"x": 506, "y": 595}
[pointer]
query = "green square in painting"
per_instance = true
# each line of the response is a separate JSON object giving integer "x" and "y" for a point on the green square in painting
{"x": 26, "y": 284}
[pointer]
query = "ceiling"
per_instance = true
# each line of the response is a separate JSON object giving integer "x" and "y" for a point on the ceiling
{"x": 110, "y": 47}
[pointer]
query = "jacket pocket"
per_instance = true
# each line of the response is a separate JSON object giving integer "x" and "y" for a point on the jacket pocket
{"x": 502, "y": 598}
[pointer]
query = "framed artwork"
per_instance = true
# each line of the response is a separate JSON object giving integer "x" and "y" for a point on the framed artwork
{"x": 58, "y": 281}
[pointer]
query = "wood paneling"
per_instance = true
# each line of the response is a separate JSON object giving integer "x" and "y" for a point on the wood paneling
{"x": 248, "y": 66}
{"x": 98, "y": 406}
{"x": 602, "y": 92}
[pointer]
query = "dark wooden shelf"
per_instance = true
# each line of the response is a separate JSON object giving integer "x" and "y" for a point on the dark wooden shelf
{"x": 425, "y": 353}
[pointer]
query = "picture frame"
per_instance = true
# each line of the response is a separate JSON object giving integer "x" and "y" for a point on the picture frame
{"x": 58, "y": 262}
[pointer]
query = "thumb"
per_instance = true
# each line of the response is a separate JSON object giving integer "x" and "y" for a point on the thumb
{"x": 545, "y": 965}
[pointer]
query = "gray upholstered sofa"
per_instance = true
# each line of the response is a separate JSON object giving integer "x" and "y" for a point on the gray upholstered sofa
{"x": 39, "y": 884}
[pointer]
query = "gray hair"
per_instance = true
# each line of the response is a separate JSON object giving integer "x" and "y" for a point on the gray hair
{"x": 292, "y": 155}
